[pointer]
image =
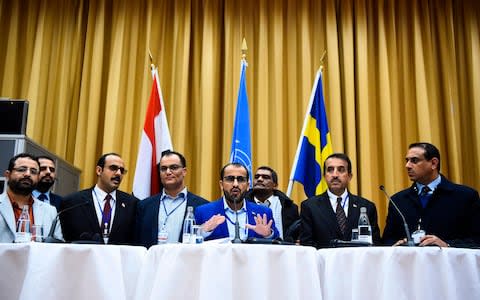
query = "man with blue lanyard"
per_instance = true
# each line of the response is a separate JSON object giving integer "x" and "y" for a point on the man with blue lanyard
{"x": 219, "y": 217}
{"x": 448, "y": 213}
{"x": 333, "y": 214}
{"x": 160, "y": 217}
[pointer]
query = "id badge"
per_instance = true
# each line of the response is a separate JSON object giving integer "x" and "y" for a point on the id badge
{"x": 162, "y": 236}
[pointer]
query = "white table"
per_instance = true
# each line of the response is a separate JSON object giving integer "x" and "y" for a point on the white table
{"x": 399, "y": 273}
{"x": 229, "y": 271}
{"x": 66, "y": 271}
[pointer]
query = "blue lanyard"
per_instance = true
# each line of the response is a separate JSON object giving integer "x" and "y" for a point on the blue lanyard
{"x": 171, "y": 212}
{"x": 101, "y": 210}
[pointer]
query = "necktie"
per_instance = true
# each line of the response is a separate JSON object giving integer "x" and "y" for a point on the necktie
{"x": 42, "y": 197}
{"x": 107, "y": 212}
{"x": 424, "y": 196}
{"x": 341, "y": 217}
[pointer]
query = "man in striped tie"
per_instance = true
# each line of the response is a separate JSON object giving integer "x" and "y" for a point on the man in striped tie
{"x": 333, "y": 214}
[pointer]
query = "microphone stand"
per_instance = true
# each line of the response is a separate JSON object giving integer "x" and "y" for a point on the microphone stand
{"x": 236, "y": 239}
{"x": 410, "y": 242}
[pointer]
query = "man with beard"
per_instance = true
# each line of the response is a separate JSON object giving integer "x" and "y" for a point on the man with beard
{"x": 102, "y": 210}
{"x": 22, "y": 177}
{"x": 333, "y": 214}
{"x": 166, "y": 211}
{"x": 218, "y": 218}
{"x": 46, "y": 180}
{"x": 264, "y": 192}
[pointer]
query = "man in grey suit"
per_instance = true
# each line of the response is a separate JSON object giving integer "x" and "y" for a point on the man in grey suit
{"x": 46, "y": 180}
{"x": 22, "y": 177}
{"x": 321, "y": 214}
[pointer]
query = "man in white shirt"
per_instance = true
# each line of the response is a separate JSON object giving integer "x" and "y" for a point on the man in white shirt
{"x": 265, "y": 192}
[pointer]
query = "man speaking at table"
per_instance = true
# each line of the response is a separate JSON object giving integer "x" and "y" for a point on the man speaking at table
{"x": 218, "y": 218}
{"x": 102, "y": 210}
{"x": 448, "y": 213}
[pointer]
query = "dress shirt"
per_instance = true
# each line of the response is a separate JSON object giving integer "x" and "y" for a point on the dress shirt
{"x": 36, "y": 194}
{"x": 432, "y": 185}
{"x": 175, "y": 208}
{"x": 333, "y": 201}
{"x": 99, "y": 201}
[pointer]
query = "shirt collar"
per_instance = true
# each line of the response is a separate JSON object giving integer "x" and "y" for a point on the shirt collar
{"x": 181, "y": 195}
{"x": 432, "y": 185}
{"x": 37, "y": 193}
{"x": 101, "y": 194}
{"x": 226, "y": 207}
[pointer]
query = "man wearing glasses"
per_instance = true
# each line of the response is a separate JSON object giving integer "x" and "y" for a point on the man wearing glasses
{"x": 46, "y": 180}
{"x": 218, "y": 218}
{"x": 160, "y": 217}
{"x": 22, "y": 177}
{"x": 448, "y": 213}
{"x": 102, "y": 211}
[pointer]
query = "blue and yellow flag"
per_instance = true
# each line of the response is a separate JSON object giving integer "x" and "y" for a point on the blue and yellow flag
{"x": 241, "y": 145}
{"x": 314, "y": 145}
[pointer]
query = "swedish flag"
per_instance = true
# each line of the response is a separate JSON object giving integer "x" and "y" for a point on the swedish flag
{"x": 314, "y": 145}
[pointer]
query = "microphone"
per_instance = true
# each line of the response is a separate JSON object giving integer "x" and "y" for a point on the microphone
{"x": 50, "y": 238}
{"x": 236, "y": 239}
{"x": 410, "y": 242}
{"x": 89, "y": 238}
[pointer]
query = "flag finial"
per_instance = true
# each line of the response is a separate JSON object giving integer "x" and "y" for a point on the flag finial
{"x": 244, "y": 48}
{"x": 322, "y": 58}
{"x": 152, "y": 66}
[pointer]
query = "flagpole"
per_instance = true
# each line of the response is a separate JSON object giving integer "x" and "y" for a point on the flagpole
{"x": 309, "y": 108}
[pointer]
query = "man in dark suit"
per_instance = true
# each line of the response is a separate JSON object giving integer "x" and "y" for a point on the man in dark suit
{"x": 218, "y": 218}
{"x": 165, "y": 212}
{"x": 101, "y": 211}
{"x": 47, "y": 178}
{"x": 448, "y": 213}
{"x": 264, "y": 192}
{"x": 323, "y": 217}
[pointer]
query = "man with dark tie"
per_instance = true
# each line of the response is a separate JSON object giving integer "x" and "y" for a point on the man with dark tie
{"x": 448, "y": 213}
{"x": 165, "y": 212}
{"x": 333, "y": 214}
{"x": 265, "y": 192}
{"x": 218, "y": 218}
{"x": 101, "y": 211}
{"x": 46, "y": 180}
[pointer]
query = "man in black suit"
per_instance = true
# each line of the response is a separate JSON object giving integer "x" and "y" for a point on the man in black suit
{"x": 165, "y": 212}
{"x": 102, "y": 210}
{"x": 47, "y": 178}
{"x": 448, "y": 213}
{"x": 264, "y": 192}
{"x": 322, "y": 215}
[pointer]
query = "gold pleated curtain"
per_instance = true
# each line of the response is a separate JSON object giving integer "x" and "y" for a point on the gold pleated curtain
{"x": 395, "y": 72}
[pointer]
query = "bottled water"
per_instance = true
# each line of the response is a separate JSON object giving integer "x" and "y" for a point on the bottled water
{"x": 188, "y": 236}
{"x": 364, "y": 228}
{"x": 23, "y": 234}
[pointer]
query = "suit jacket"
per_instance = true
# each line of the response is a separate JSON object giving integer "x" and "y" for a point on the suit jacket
{"x": 319, "y": 222}
{"x": 205, "y": 212}
{"x": 452, "y": 213}
{"x": 147, "y": 218}
{"x": 55, "y": 199}
{"x": 43, "y": 214}
{"x": 83, "y": 221}
{"x": 289, "y": 210}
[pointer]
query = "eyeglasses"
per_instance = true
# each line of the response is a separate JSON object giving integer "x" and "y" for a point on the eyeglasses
{"x": 44, "y": 168}
{"x": 231, "y": 179}
{"x": 24, "y": 170}
{"x": 115, "y": 168}
{"x": 264, "y": 176}
{"x": 172, "y": 168}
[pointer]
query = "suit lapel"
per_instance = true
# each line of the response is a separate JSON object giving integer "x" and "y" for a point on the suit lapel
{"x": 89, "y": 210}
{"x": 353, "y": 211}
{"x": 6, "y": 210}
{"x": 327, "y": 213}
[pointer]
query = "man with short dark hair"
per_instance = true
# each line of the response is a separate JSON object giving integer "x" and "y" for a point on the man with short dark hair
{"x": 265, "y": 192}
{"x": 449, "y": 213}
{"x": 333, "y": 214}
{"x": 22, "y": 177}
{"x": 46, "y": 180}
{"x": 218, "y": 218}
{"x": 165, "y": 212}
{"x": 102, "y": 210}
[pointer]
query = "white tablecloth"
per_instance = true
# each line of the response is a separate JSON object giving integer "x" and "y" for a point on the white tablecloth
{"x": 64, "y": 271}
{"x": 400, "y": 273}
{"x": 229, "y": 271}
